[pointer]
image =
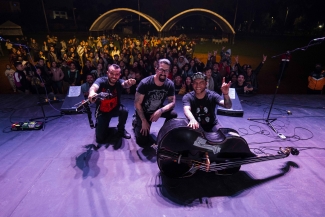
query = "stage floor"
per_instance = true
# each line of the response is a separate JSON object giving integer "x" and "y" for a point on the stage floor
{"x": 55, "y": 172}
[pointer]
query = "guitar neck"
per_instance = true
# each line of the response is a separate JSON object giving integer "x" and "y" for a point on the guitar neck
{"x": 238, "y": 163}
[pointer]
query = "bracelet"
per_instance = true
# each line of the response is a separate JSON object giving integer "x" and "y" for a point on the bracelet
{"x": 161, "y": 110}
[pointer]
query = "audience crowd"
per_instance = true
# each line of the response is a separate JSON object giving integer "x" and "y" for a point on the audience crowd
{"x": 53, "y": 65}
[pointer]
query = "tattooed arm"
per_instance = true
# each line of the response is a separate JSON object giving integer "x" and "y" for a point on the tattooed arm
{"x": 170, "y": 105}
{"x": 226, "y": 102}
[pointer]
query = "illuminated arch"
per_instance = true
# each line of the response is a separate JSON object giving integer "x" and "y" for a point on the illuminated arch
{"x": 111, "y": 18}
{"x": 216, "y": 18}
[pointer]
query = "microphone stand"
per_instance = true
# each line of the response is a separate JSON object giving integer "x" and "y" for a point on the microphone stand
{"x": 268, "y": 121}
{"x": 44, "y": 117}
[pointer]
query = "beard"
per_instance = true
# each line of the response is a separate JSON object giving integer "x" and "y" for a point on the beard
{"x": 162, "y": 78}
{"x": 112, "y": 81}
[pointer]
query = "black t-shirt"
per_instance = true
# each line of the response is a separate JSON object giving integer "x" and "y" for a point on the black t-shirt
{"x": 203, "y": 109}
{"x": 111, "y": 103}
{"x": 177, "y": 88}
{"x": 239, "y": 88}
{"x": 154, "y": 96}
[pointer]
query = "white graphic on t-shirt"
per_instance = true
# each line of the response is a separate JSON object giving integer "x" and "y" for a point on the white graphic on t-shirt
{"x": 202, "y": 115}
{"x": 154, "y": 100}
{"x": 205, "y": 109}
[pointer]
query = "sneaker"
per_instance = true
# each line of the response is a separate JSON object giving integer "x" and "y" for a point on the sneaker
{"x": 141, "y": 155}
{"x": 147, "y": 154}
{"x": 124, "y": 134}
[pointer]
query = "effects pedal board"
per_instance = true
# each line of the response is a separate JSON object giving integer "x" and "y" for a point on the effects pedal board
{"x": 31, "y": 125}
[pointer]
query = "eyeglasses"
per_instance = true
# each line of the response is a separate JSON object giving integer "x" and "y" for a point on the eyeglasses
{"x": 163, "y": 70}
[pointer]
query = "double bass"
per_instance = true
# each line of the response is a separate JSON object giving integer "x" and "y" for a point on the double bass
{"x": 182, "y": 151}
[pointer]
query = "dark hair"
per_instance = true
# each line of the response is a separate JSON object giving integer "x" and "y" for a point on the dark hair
{"x": 92, "y": 75}
{"x": 188, "y": 88}
{"x": 115, "y": 66}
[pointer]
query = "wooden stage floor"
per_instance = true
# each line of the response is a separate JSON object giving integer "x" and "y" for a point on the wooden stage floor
{"x": 55, "y": 172}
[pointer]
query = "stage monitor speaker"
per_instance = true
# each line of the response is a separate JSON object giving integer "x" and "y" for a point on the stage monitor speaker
{"x": 236, "y": 110}
{"x": 71, "y": 100}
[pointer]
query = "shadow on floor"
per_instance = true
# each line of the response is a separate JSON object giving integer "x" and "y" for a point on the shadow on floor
{"x": 202, "y": 186}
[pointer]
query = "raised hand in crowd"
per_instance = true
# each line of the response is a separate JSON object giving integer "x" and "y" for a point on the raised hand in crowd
{"x": 264, "y": 58}
{"x": 236, "y": 59}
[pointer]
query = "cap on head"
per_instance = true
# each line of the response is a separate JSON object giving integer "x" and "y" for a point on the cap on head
{"x": 199, "y": 75}
{"x": 248, "y": 67}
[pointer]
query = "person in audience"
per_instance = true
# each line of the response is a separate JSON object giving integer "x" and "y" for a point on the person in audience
{"x": 213, "y": 82}
{"x": 181, "y": 62}
{"x": 65, "y": 83}
{"x": 86, "y": 70}
{"x": 241, "y": 86}
{"x": 73, "y": 75}
{"x": 187, "y": 86}
{"x": 99, "y": 72}
{"x": 20, "y": 78}
{"x": 316, "y": 80}
{"x": 86, "y": 86}
{"x": 178, "y": 83}
{"x": 251, "y": 75}
{"x": 39, "y": 83}
{"x": 57, "y": 76}
{"x": 9, "y": 73}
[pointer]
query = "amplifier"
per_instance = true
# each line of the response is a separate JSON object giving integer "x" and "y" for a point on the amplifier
{"x": 70, "y": 104}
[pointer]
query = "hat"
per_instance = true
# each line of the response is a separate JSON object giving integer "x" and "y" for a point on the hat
{"x": 228, "y": 51}
{"x": 199, "y": 75}
{"x": 248, "y": 67}
{"x": 24, "y": 62}
{"x": 17, "y": 64}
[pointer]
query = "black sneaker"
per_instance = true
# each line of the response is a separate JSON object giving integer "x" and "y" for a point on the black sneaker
{"x": 124, "y": 134}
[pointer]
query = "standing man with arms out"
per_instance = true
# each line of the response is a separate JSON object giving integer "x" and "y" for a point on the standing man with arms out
{"x": 110, "y": 106}
{"x": 200, "y": 104}
{"x": 151, "y": 93}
